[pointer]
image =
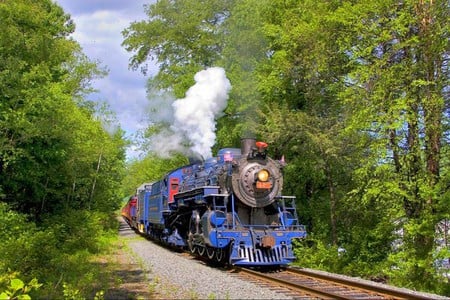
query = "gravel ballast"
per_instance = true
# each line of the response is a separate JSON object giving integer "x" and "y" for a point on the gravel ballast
{"x": 175, "y": 276}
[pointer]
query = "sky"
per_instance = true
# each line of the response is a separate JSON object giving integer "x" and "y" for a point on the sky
{"x": 99, "y": 24}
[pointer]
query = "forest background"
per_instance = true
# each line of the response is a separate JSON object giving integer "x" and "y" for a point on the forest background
{"x": 354, "y": 95}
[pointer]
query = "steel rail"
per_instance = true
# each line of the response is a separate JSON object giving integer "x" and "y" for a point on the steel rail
{"x": 363, "y": 285}
{"x": 309, "y": 290}
{"x": 351, "y": 288}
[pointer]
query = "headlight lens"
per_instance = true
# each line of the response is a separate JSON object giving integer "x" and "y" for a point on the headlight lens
{"x": 263, "y": 175}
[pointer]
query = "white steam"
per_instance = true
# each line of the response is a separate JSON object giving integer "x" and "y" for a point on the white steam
{"x": 193, "y": 125}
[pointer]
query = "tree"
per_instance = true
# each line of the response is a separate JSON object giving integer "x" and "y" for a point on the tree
{"x": 245, "y": 47}
{"x": 397, "y": 95}
{"x": 185, "y": 36}
{"x": 181, "y": 36}
{"x": 60, "y": 167}
{"x": 46, "y": 125}
{"x": 299, "y": 83}
{"x": 149, "y": 169}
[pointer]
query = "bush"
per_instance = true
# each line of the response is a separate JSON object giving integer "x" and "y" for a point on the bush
{"x": 77, "y": 230}
{"x": 312, "y": 253}
{"x": 59, "y": 252}
{"x": 405, "y": 271}
{"x": 12, "y": 287}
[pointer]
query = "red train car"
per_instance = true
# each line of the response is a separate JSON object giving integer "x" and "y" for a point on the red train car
{"x": 129, "y": 210}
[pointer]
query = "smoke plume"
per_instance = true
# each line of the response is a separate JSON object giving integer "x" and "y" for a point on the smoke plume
{"x": 193, "y": 118}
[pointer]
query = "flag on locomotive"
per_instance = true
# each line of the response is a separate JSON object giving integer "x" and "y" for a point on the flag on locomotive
{"x": 229, "y": 209}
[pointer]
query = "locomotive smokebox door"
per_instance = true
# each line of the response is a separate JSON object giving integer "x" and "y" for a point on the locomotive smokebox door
{"x": 249, "y": 189}
{"x": 267, "y": 241}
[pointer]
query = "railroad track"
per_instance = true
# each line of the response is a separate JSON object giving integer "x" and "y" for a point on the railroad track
{"x": 306, "y": 284}
{"x": 312, "y": 284}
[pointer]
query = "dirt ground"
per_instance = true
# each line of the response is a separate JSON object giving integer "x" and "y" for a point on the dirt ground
{"x": 130, "y": 281}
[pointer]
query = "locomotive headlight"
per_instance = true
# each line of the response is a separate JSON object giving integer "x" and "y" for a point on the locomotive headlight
{"x": 263, "y": 175}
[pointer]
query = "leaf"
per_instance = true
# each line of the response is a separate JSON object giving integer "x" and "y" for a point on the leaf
{"x": 17, "y": 284}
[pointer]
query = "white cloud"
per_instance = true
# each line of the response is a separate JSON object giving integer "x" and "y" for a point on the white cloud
{"x": 99, "y": 24}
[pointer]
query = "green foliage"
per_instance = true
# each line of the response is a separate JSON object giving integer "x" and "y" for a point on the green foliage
{"x": 398, "y": 110}
{"x": 403, "y": 269}
{"x": 149, "y": 169}
{"x": 80, "y": 230}
{"x": 55, "y": 151}
{"x": 71, "y": 293}
{"x": 244, "y": 49}
{"x": 12, "y": 288}
{"x": 313, "y": 253}
{"x": 177, "y": 30}
{"x": 60, "y": 250}
{"x": 185, "y": 36}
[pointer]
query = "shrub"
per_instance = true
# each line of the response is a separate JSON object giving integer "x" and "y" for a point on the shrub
{"x": 59, "y": 252}
{"x": 12, "y": 287}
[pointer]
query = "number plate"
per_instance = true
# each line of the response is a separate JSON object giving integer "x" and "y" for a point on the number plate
{"x": 263, "y": 185}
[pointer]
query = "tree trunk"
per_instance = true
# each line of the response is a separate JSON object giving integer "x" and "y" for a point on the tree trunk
{"x": 333, "y": 205}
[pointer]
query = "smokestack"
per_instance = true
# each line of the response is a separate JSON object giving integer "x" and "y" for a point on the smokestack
{"x": 246, "y": 145}
{"x": 194, "y": 157}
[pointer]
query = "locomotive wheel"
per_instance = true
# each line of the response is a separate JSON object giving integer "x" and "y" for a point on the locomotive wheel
{"x": 220, "y": 254}
{"x": 201, "y": 250}
{"x": 210, "y": 252}
{"x": 193, "y": 229}
{"x": 191, "y": 245}
{"x": 229, "y": 251}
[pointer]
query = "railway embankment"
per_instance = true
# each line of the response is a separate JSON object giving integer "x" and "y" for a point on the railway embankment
{"x": 145, "y": 270}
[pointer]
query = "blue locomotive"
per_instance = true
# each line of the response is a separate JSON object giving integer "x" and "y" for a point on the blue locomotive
{"x": 228, "y": 209}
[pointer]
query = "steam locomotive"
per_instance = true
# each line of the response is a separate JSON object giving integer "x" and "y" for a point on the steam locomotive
{"x": 228, "y": 209}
